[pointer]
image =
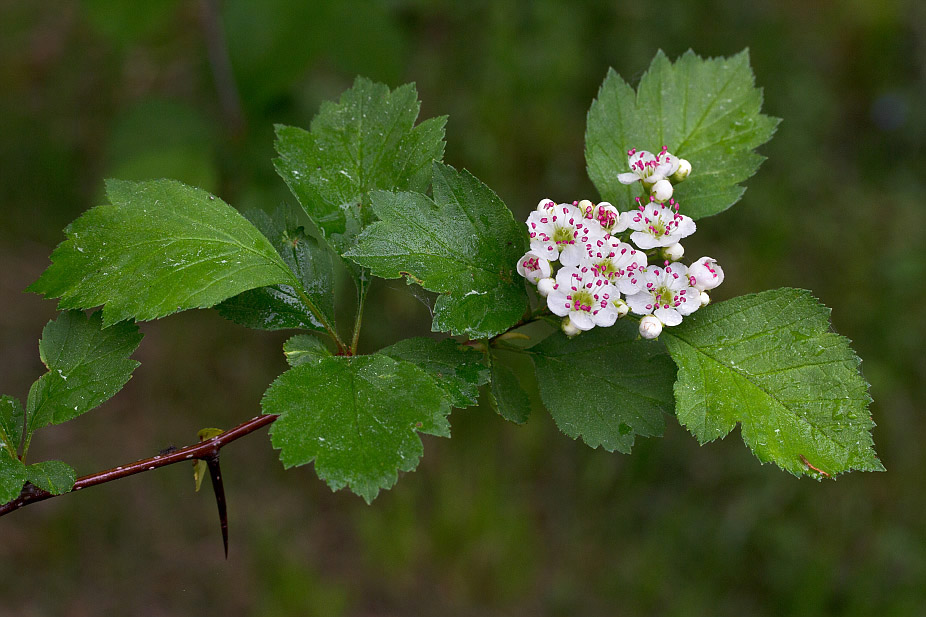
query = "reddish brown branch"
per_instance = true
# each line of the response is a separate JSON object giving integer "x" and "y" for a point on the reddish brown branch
{"x": 202, "y": 450}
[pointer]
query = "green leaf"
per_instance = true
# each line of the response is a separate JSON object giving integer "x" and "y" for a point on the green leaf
{"x": 12, "y": 476}
{"x": 11, "y": 423}
{"x": 458, "y": 369}
{"x": 357, "y": 418}
{"x": 463, "y": 244}
{"x": 368, "y": 141}
{"x": 281, "y": 307}
{"x": 86, "y": 364}
{"x": 606, "y": 385}
{"x": 161, "y": 247}
{"x": 506, "y": 396}
{"x": 56, "y": 477}
{"x": 706, "y": 111}
{"x": 770, "y": 362}
{"x": 305, "y": 349}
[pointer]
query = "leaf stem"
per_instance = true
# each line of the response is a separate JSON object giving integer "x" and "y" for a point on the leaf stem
{"x": 361, "y": 300}
{"x": 320, "y": 317}
{"x": 201, "y": 450}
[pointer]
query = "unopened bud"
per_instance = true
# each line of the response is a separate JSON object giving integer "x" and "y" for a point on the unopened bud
{"x": 661, "y": 191}
{"x": 650, "y": 327}
{"x": 622, "y": 308}
{"x": 674, "y": 252}
{"x": 683, "y": 171}
{"x": 545, "y": 286}
{"x": 569, "y": 329}
{"x": 705, "y": 299}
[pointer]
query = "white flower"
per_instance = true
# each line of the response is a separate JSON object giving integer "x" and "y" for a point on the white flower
{"x": 665, "y": 292}
{"x": 650, "y": 327}
{"x": 656, "y": 225}
{"x": 705, "y": 274}
{"x": 533, "y": 267}
{"x": 615, "y": 261}
{"x": 546, "y": 205}
{"x": 609, "y": 218}
{"x": 583, "y": 297}
{"x": 555, "y": 233}
{"x": 647, "y": 167}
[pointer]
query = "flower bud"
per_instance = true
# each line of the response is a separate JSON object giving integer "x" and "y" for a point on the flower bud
{"x": 545, "y": 286}
{"x": 661, "y": 191}
{"x": 705, "y": 274}
{"x": 533, "y": 267}
{"x": 569, "y": 329}
{"x": 705, "y": 299}
{"x": 622, "y": 308}
{"x": 650, "y": 327}
{"x": 683, "y": 171}
{"x": 674, "y": 252}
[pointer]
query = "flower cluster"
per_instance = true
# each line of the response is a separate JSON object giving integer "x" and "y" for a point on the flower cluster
{"x": 592, "y": 262}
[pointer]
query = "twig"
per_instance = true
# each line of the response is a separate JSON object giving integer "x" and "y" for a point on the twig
{"x": 203, "y": 450}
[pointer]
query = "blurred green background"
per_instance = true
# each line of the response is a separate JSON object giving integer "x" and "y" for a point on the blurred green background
{"x": 499, "y": 520}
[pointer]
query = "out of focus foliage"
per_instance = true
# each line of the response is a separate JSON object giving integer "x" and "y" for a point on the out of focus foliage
{"x": 500, "y": 519}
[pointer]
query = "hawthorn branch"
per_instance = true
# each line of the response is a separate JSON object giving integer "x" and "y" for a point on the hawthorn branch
{"x": 205, "y": 450}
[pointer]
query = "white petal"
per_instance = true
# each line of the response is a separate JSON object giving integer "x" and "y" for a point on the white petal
{"x": 668, "y": 316}
{"x": 572, "y": 254}
{"x": 605, "y": 317}
{"x": 690, "y": 302}
{"x": 627, "y": 178}
{"x": 686, "y": 227}
{"x": 644, "y": 240}
{"x": 639, "y": 301}
{"x": 581, "y": 320}
{"x": 558, "y": 303}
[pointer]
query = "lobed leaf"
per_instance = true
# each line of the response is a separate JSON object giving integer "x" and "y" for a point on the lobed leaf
{"x": 367, "y": 141}
{"x": 357, "y": 418}
{"x": 12, "y": 476}
{"x": 704, "y": 110}
{"x": 159, "y": 248}
{"x": 87, "y": 364}
{"x": 463, "y": 244}
{"x": 304, "y": 349}
{"x": 12, "y": 416}
{"x": 282, "y": 307}
{"x": 506, "y": 396}
{"x": 56, "y": 477}
{"x": 606, "y": 386}
{"x": 769, "y": 362}
{"x": 458, "y": 369}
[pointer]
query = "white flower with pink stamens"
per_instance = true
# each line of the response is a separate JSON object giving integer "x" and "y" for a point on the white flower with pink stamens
{"x": 666, "y": 293}
{"x": 658, "y": 225}
{"x": 533, "y": 267}
{"x": 649, "y": 168}
{"x": 705, "y": 274}
{"x": 615, "y": 261}
{"x": 585, "y": 298}
{"x": 555, "y": 233}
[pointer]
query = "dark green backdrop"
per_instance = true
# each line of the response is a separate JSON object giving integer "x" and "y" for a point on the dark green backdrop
{"x": 499, "y": 520}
